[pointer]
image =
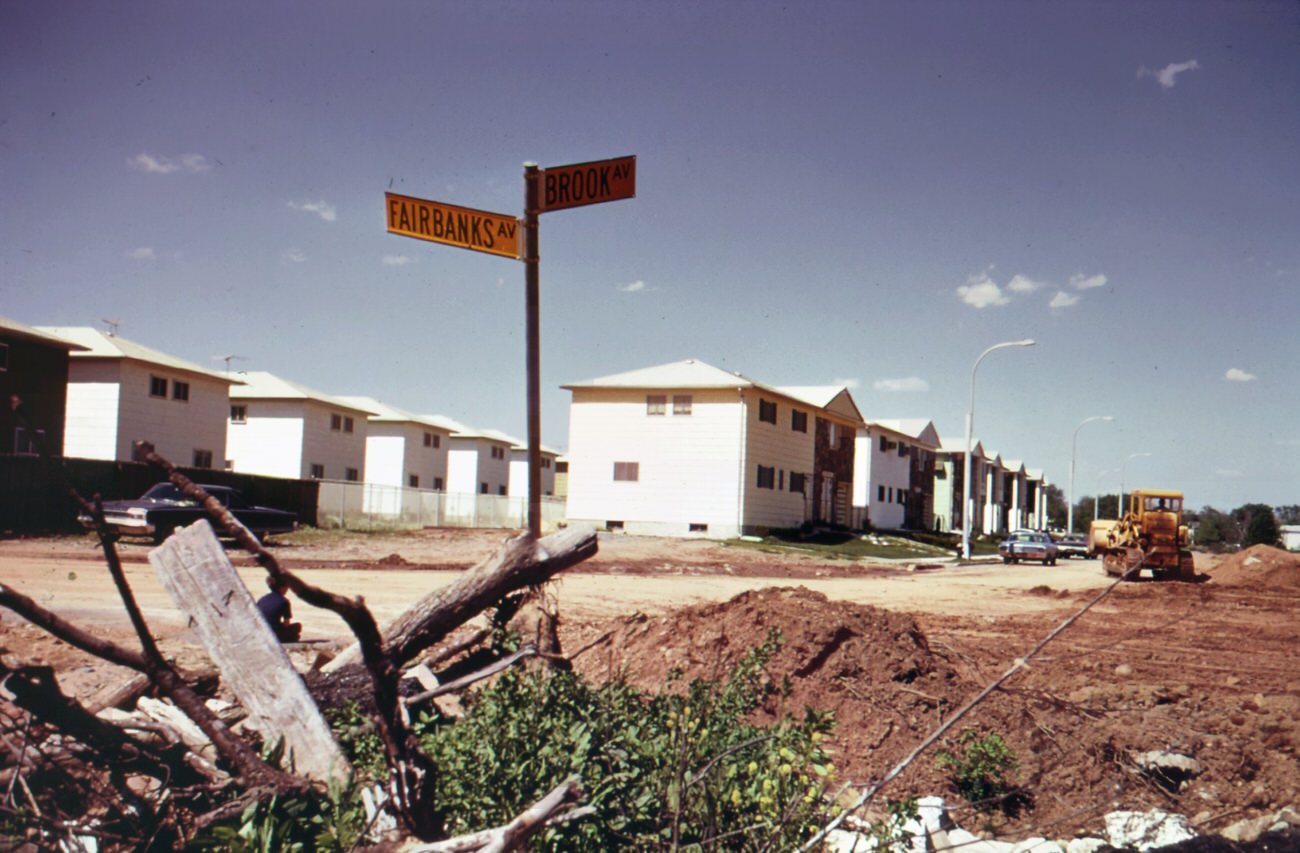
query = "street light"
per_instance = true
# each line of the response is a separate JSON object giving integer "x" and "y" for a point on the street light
{"x": 970, "y": 427}
{"x": 1119, "y": 510}
{"x": 1074, "y": 443}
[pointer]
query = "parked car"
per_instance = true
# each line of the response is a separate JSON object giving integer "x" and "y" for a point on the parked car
{"x": 164, "y": 507}
{"x": 1073, "y": 546}
{"x": 1028, "y": 545}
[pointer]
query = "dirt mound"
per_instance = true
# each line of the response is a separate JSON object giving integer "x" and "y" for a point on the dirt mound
{"x": 1259, "y": 565}
{"x": 873, "y": 668}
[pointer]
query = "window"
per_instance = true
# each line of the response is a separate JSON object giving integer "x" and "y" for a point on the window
{"x": 902, "y": 449}
{"x": 656, "y": 404}
{"x": 780, "y": 480}
{"x": 880, "y": 493}
{"x": 697, "y": 527}
{"x": 202, "y": 458}
{"x": 681, "y": 404}
{"x": 157, "y": 386}
{"x": 797, "y": 482}
{"x": 24, "y": 445}
{"x": 482, "y": 488}
{"x": 902, "y": 496}
{"x": 546, "y": 462}
{"x": 767, "y": 411}
{"x": 437, "y": 484}
{"x": 351, "y": 474}
{"x": 498, "y": 453}
{"x": 884, "y": 444}
{"x": 766, "y": 477}
{"x": 501, "y": 490}
{"x": 428, "y": 439}
{"x": 832, "y": 434}
{"x": 336, "y": 423}
{"x": 181, "y": 391}
{"x": 613, "y": 525}
{"x": 348, "y": 424}
{"x": 317, "y": 472}
{"x": 413, "y": 480}
{"x": 890, "y": 493}
{"x": 4, "y": 357}
{"x": 798, "y": 420}
{"x": 239, "y": 414}
{"x": 627, "y": 472}
{"x": 941, "y": 473}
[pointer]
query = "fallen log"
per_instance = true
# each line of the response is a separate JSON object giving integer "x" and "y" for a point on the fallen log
{"x": 521, "y": 562}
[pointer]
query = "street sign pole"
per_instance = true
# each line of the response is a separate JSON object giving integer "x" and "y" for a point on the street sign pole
{"x": 532, "y": 287}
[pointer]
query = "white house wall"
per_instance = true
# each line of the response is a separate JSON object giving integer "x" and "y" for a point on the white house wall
{"x": 336, "y": 450}
{"x": 689, "y": 466}
{"x": 494, "y": 472}
{"x": 887, "y": 469}
{"x": 270, "y": 441}
{"x": 519, "y": 474}
{"x": 385, "y": 457}
{"x": 781, "y": 447}
{"x": 90, "y": 422}
{"x": 176, "y": 428}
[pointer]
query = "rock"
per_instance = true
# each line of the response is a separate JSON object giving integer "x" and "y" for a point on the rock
{"x": 1250, "y": 829}
{"x": 1084, "y": 845}
{"x": 933, "y": 814}
{"x": 1123, "y": 669}
{"x": 1147, "y": 830}
{"x": 1170, "y": 769}
{"x": 843, "y": 841}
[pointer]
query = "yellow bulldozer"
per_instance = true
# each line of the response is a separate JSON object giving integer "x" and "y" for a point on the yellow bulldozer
{"x": 1151, "y": 536}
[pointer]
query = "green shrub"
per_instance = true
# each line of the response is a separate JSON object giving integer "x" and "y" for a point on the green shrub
{"x": 979, "y": 773}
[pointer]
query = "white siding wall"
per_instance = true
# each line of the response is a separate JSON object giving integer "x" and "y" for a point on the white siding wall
{"x": 335, "y": 449}
{"x": 427, "y": 463}
{"x": 893, "y": 472}
{"x": 176, "y": 428}
{"x": 519, "y": 474}
{"x": 270, "y": 443}
{"x": 777, "y": 446}
{"x": 462, "y": 466}
{"x": 689, "y": 465}
{"x": 90, "y": 425}
{"x": 495, "y": 472}
{"x": 386, "y": 455}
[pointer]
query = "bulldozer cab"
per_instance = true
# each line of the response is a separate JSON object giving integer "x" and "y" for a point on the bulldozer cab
{"x": 1142, "y": 502}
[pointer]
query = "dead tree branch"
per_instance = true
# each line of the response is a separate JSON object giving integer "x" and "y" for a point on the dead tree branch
{"x": 517, "y": 832}
{"x": 473, "y": 677}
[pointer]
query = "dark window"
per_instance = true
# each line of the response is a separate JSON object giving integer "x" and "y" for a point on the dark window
{"x": 351, "y": 474}
{"x": 348, "y": 424}
{"x": 656, "y": 404}
{"x": 413, "y": 481}
{"x": 880, "y": 493}
{"x": 902, "y": 449}
{"x": 181, "y": 391}
{"x": 613, "y": 525}
{"x": 157, "y": 386}
{"x": 239, "y": 414}
{"x": 482, "y": 488}
{"x": 428, "y": 439}
{"x": 780, "y": 480}
{"x": 317, "y": 472}
{"x": 767, "y": 411}
{"x": 501, "y": 490}
{"x": 437, "y": 441}
{"x": 437, "y": 484}
{"x": 797, "y": 482}
{"x": 23, "y": 443}
{"x": 798, "y": 420}
{"x": 697, "y": 527}
{"x": 890, "y": 493}
{"x": 4, "y": 356}
{"x": 202, "y": 458}
{"x": 336, "y": 422}
{"x": 546, "y": 462}
{"x": 627, "y": 471}
{"x": 766, "y": 477}
{"x": 902, "y": 496}
{"x": 884, "y": 444}
{"x": 681, "y": 404}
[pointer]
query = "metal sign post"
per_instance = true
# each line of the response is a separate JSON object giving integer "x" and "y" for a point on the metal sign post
{"x": 532, "y": 337}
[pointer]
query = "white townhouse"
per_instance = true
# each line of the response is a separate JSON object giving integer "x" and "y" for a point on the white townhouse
{"x": 690, "y": 449}
{"x": 948, "y": 473}
{"x": 993, "y": 492}
{"x": 121, "y": 392}
{"x": 893, "y": 474}
{"x": 278, "y": 428}
{"x": 1014, "y": 493}
{"x": 403, "y": 449}
{"x": 478, "y": 461}
{"x": 1035, "y": 499}
{"x": 519, "y": 469}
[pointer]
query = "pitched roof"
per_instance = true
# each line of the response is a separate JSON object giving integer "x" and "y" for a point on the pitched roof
{"x": 381, "y": 412}
{"x": 103, "y": 345}
{"x": 959, "y": 446}
{"x": 919, "y": 430}
{"x": 14, "y": 329}
{"x": 832, "y": 398}
{"x": 261, "y": 385}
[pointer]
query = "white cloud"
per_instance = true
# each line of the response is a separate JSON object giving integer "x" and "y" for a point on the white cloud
{"x": 294, "y": 256}
{"x": 909, "y": 383}
{"x": 632, "y": 287}
{"x": 845, "y": 383}
{"x": 1236, "y": 374}
{"x": 981, "y": 291}
{"x": 1166, "y": 76}
{"x": 397, "y": 260}
{"x": 320, "y": 208}
{"x": 1023, "y": 284}
{"x": 1079, "y": 281}
{"x": 1063, "y": 300}
{"x": 167, "y": 165}
{"x": 144, "y": 253}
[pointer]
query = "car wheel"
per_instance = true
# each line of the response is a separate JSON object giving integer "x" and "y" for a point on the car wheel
{"x": 1051, "y": 562}
{"x": 1006, "y": 561}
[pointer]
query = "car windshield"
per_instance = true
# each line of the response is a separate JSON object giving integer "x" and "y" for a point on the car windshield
{"x": 165, "y": 492}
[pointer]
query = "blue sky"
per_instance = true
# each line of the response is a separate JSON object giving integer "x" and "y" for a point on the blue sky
{"x": 860, "y": 193}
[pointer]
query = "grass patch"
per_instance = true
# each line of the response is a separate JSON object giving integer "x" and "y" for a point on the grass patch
{"x": 843, "y": 545}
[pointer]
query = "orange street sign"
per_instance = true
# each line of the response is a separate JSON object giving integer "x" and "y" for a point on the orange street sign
{"x": 588, "y": 183}
{"x": 494, "y": 233}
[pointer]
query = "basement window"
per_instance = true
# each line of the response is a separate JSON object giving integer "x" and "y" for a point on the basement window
{"x": 696, "y": 527}
{"x": 613, "y": 525}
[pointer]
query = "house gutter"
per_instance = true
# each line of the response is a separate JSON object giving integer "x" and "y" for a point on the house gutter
{"x": 744, "y": 450}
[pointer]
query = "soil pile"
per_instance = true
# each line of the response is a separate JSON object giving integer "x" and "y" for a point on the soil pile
{"x": 873, "y": 668}
{"x": 1261, "y": 566}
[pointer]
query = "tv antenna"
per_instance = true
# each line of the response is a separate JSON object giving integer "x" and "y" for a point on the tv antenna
{"x": 227, "y": 359}
{"x": 112, "y": 326}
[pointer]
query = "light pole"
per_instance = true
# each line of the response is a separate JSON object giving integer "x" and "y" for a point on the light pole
{"x": 1119, "y": 510}
{"x": 970, "y": 427}
{"x": 1074, "y": 444}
